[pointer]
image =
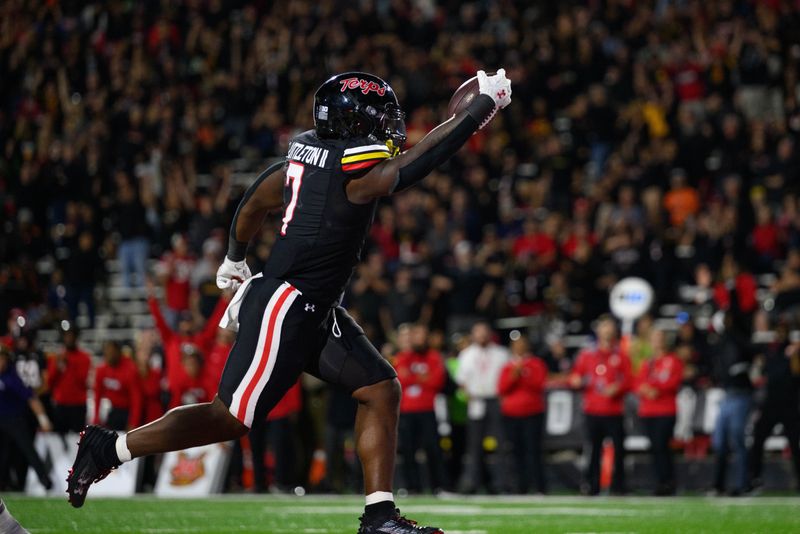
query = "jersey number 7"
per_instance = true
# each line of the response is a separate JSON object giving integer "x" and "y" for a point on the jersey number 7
{"x": 294, "y": 178}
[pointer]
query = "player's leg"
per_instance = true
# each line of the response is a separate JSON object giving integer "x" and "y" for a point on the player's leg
{"x": 351, "y": 362}
{"x": 269, "y": 351}
{"x": 376, "y": 433}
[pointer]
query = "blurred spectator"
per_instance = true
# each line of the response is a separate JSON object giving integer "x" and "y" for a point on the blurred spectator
{"x": 421, "y": 372}
{"x": 522, "y": 404}
{"x": 117, "y": 380}
{"x": 342, "y": 473}
{"x": 766, "y": 239}
{"x": 204, "y": 273}
{"x": 691, "y": 347}
{"x": 404, "y": 300}
{"x": 641, "y": 348}
{"x": 479, "y": 367}
{"x": 659, "y": 378}
{"x": 150, "y": 381}
{"x": 190, "y": 386}
{"x": 149, "y": 377}
{"x": 682, "y": 201}
{"x": 173, "y": 341}
{"x": 779, "y": 365}
{"x": 731, "y": 371}
{"x": 15, "y": 398}
{"x": 603, "y": 373}
{"x": 81, "y": 271}
{"x": 217, "y": 355}
{"x": 67, "y": 378}
{"x": 556, "y": 358}
{"x": 174, "y": 272}
{"x": 454, "y": 445}
{"x": 369, "y": 290}
{"x": 131, "y": 225}
{"x": 29, "y": 361}
{"x": 733, "y": 279}
{"x": 277, "y": 430}
{"x": 787, "y": 287}
{"x": 466, "y": 289}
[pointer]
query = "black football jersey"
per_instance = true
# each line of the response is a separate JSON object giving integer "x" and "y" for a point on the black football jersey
{"x": 322, "y": 233}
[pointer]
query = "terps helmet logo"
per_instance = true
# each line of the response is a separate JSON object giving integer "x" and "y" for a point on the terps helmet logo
{"x": 365, "y": 85}
{"x": 187, "y": 470}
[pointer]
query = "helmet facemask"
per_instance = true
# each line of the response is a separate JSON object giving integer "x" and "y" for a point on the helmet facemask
{"x": 390, "y": 126}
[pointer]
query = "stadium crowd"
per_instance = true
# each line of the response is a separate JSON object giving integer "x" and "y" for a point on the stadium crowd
{"x": 656, "y": 139}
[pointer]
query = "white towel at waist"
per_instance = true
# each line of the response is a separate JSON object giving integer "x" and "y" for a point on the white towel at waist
{"x": 230, "y": 319}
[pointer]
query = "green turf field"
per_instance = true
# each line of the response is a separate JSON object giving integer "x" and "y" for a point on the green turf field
{"x": 478, "y": 515}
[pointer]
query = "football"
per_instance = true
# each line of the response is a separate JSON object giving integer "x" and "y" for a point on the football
{"x": 463, "y": 96}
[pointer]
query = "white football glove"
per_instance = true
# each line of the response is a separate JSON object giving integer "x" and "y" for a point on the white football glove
{"x": 231, "y": 274}
{"x": 496, "y": 86}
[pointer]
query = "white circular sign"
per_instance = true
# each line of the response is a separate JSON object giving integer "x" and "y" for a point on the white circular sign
{"x": 631, "y": 298}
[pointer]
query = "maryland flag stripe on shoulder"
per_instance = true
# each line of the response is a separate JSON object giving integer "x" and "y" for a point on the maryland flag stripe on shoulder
{"x": 363, "y": 157}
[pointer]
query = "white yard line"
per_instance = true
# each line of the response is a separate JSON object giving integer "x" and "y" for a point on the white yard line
{"x": 477, "y": 511}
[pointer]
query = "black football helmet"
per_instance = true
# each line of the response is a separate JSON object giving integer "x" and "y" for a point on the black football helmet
{"x": 358, "y": 104}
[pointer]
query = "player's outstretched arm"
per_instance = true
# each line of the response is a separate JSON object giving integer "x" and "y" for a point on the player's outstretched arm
{"x": 264, "y": 195}
{"x": 404, "y": 171}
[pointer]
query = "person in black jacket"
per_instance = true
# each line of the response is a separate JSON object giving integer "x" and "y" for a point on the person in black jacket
{"x": 780, "y": 366}
{"x": 731, "y": 371}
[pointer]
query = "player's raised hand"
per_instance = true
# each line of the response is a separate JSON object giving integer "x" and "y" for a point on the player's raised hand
{"x": 497, "y": 86}
{"x": 231, "y": 274}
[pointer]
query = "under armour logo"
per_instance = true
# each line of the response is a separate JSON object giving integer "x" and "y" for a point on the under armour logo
{"x": 310, "y": 307}
{"x": 501, "y": 93}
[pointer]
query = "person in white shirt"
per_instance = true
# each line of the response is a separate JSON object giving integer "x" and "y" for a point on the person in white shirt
{"x": 479, "y": 367}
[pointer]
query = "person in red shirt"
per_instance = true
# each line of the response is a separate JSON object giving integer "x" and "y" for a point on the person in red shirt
{"x": 67, "y": 378}
{"x": 175, "y": 270}
{"x": 276, "y": 430}
{"x": 150, "y": 383}
{"x": 217, "y": 356}
{"x": 117, "y": 380}
{"x": 536, "y": 243}
{"x": 521, "y": 389}
{"x": 191, "y": 386}
{"x": 603, "y": 372}
{"x": 657, "y": 385}
{"x": 734, "y": 281}
{"x": 422, "y": 375}
{"x": 149, "y": 378}
{"x": 173, "y": 340}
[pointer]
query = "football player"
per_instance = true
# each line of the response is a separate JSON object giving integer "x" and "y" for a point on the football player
{"x": 288, "y": 317}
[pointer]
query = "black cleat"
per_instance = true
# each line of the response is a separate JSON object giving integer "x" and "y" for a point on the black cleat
{"x": 92, "y": 463}
{"x": 395, "y": 524}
